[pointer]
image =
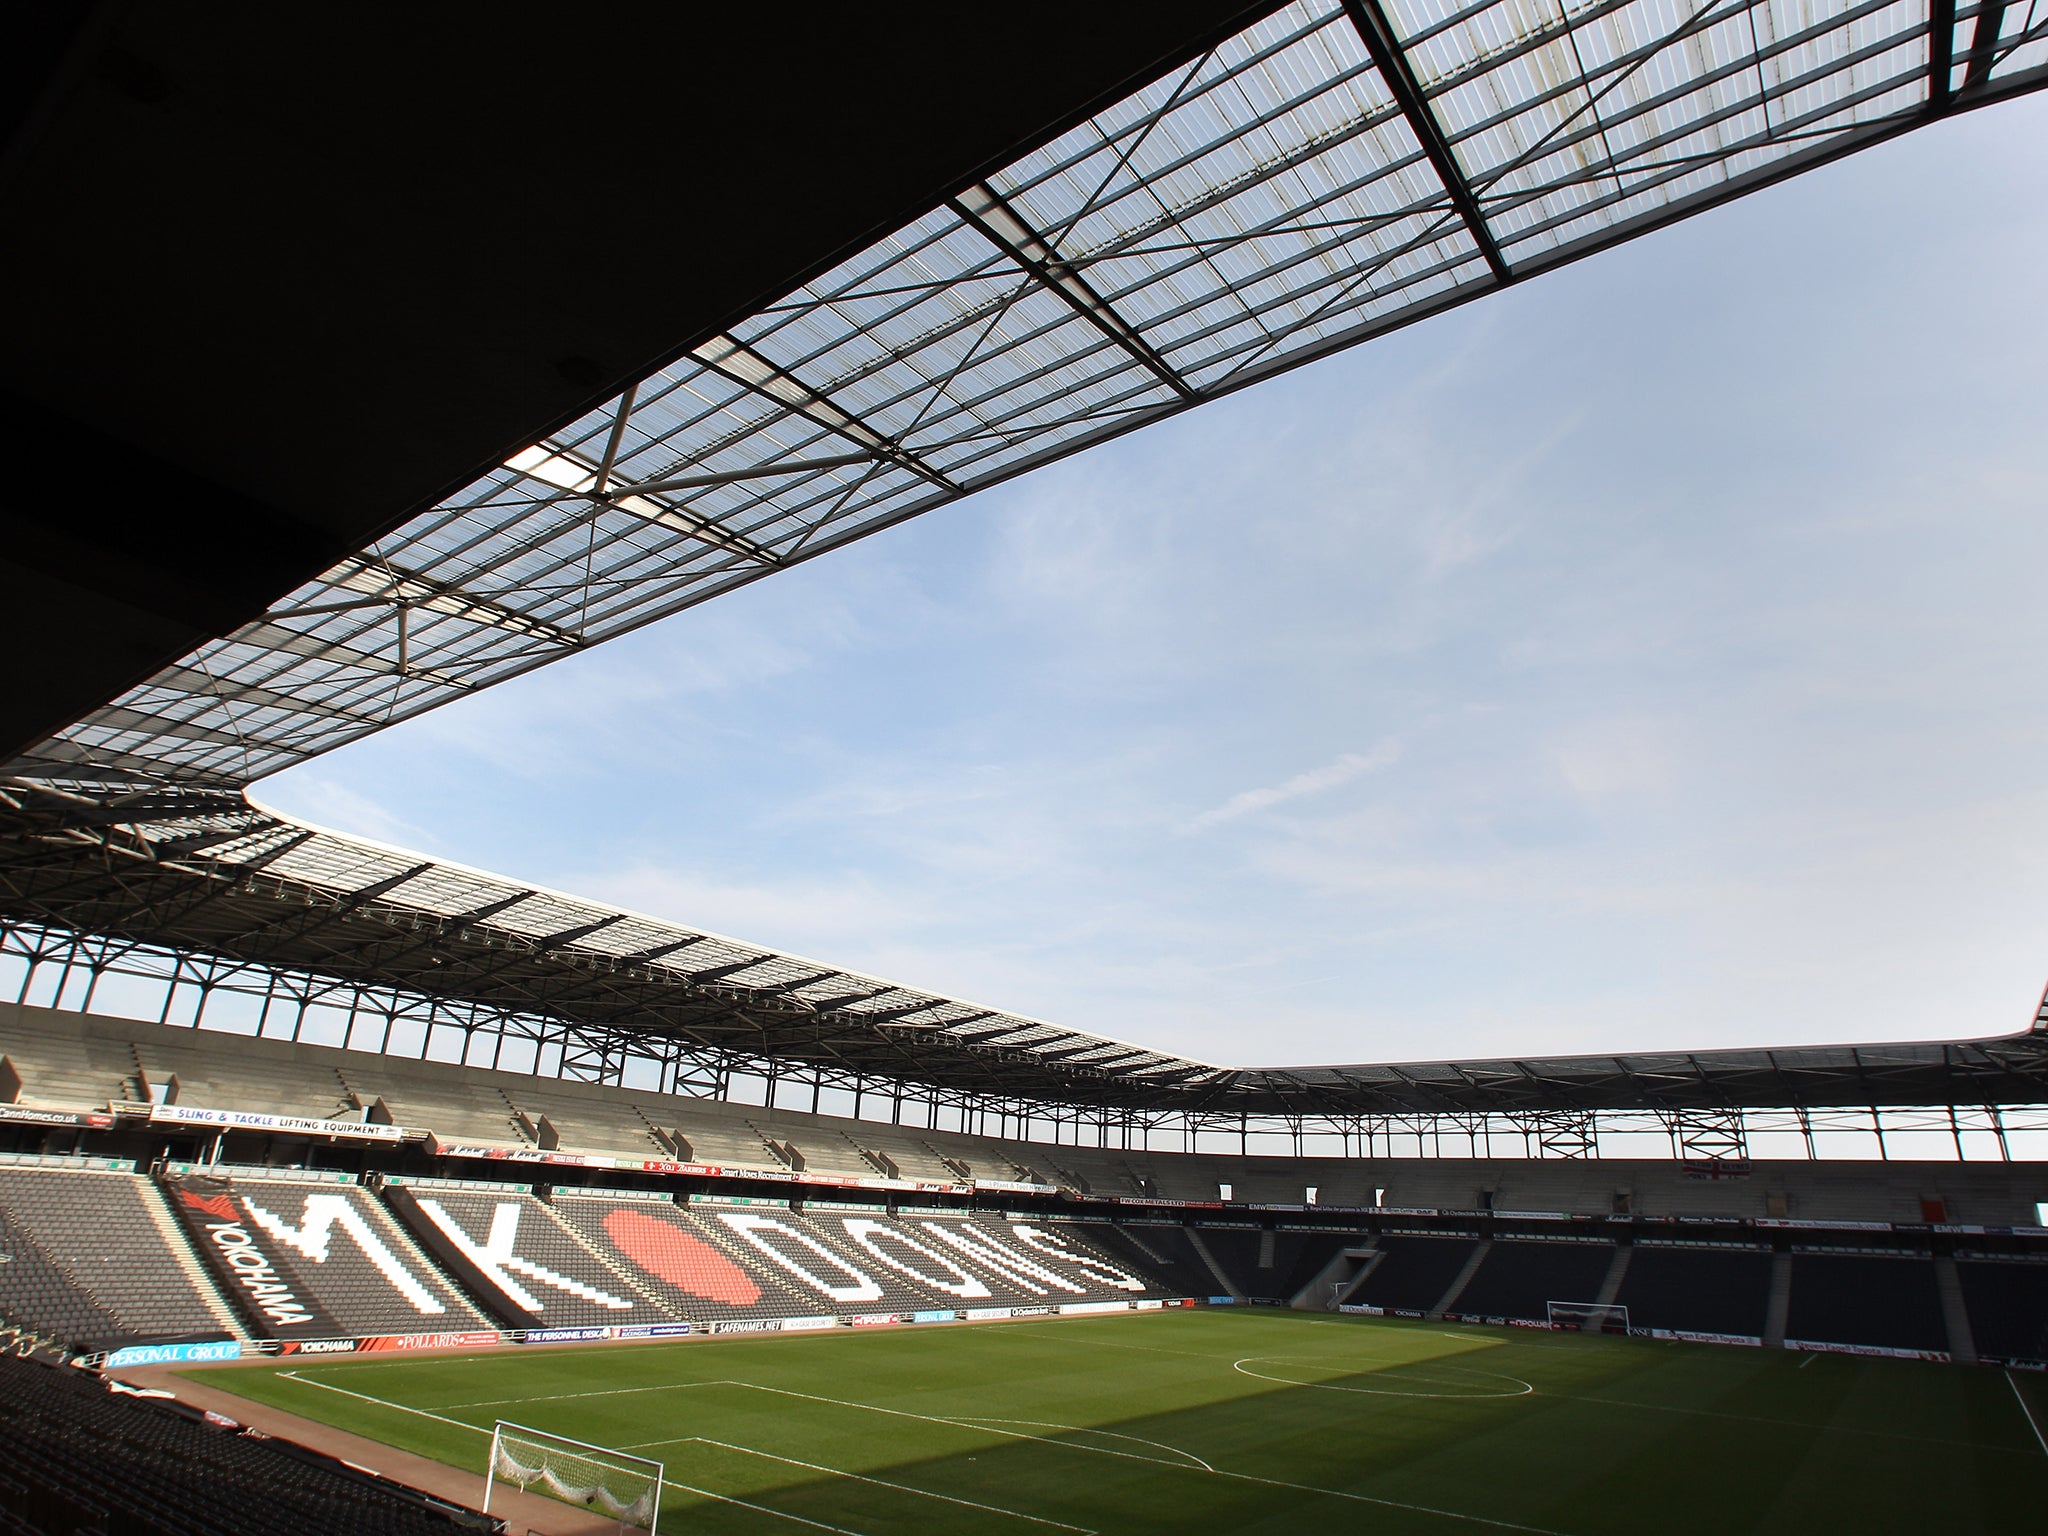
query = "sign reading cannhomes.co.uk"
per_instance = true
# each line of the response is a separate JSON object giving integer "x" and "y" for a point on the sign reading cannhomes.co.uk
{"x": 290, "y": 1125}
{"x": 22, "y": 1114}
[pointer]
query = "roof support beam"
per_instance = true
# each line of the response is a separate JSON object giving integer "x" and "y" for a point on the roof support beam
{"x": 1392, "y": 64}
{"x": 1983, "y": 41}
{"x": 743, "y": 365}
{"x": 750, "y": 472}
{"x": 983, "y": 207}
{"x": 1941, "y": 44}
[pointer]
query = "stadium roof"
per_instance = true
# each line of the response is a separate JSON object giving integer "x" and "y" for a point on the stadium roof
{"x": 1295, "y": 183}
{"x": 219, "y": 875}
{"x": 1334, "y": 170}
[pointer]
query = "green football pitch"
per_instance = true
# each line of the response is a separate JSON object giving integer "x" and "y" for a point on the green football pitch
{"x": 1221, "y": 1421}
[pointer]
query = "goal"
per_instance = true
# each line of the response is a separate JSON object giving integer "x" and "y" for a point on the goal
{"x": 627, "y": 1488}
{"x": 1588, "y": 1316}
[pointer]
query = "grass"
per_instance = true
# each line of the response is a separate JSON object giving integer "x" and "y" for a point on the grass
{"x": 1217, "y": 1421}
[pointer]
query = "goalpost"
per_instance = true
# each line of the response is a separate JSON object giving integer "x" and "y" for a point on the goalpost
{"x": 1587, "y": 1316}
{"x": 626, "y": 1487}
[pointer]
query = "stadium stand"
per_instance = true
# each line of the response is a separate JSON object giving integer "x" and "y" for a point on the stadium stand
{"x": 1865, "y": 1299}
{"x": 1413, "y": 1273}
{"x": 1518, "y": 1279}
{"x": 638, "y": 1256}
{"x": 2008, "y": 1307}
{"x": 1298, "y": 1258}
{"x": 695, "y": 1270}
{"x": 39, "y": 1299}
{"x": 1697, "y": 1288}
{"x": 316, "y": 1258}
{"x": 106, "y": 1234}
{"x": 1162, "y": 1248}
{"x": 77, "y": 1458}
{"x": 518, "y": 1258}
{"x": 87, "y": 1062}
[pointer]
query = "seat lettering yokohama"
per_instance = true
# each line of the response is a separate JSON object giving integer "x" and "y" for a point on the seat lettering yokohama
{"x": 253, "y": 1271}
{"x": 322, "y": 1215}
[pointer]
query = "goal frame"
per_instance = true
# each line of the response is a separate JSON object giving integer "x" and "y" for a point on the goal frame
{"x": 1587, "y": 1316}
{"x": 659, "y": 1472}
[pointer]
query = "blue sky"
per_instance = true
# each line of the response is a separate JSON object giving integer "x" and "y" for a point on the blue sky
{"x": 1650, "y": 656}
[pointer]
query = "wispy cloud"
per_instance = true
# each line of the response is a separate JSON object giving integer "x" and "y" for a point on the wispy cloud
{"x": 1340, "y": 771}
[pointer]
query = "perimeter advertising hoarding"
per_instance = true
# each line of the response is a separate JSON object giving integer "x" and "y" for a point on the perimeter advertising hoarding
{"x": 173, "y": 1354}
{"x": 874, "y": 1319}
{"x": 21, "y": 1114}
{"x": 934, "y": 1317}
{"x": 384, "y": 1342}
{"x": 291, "y": 1125}
{"x": 1820, "y": 1347}
{"x": 1085, "y": 1308}
{"x": 748, "y": 1325}
{"x": 318, "y": 1346}
{"x": 808, "y": 1324}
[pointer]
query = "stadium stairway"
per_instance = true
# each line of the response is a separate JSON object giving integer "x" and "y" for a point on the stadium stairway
{"x": 1518, "y": 1279}
{"x": 520, "y": 1261}
{"x": 1332, "y": 1284}
{"x": 1455, "y": 1293}
{"x": 1229, "y": 1286}
{"x": 1955, "y": 1315}
{"x": 1778, "y": 1308}
{"x": 179, "y": 1242}
{"x": 314, "y": 1256}
{"x": 1617, "y": 1274}
{"x": 2008, "y": 1306}
{"x": 94, "y": 1229}
{"x": 1698, "y": 1287}
{"x": 1886, "y": 1300}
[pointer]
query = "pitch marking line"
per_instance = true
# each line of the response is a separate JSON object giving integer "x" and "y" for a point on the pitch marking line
{"x": 879, "y": 1482}
{"x": 780, "y": 1514}
{"x": 902, "y": 1413}
{"x": 2032, "y": 1422}
{"x": 1812, "y": 1355}
{"x": 1098, "y": 1450}
{"x": 383, "y": 1403}
{"x": 1070, "y": 1429}
{"x": 1448, "y": 1378}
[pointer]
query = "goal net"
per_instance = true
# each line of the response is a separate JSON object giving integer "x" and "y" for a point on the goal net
{"x": 1588, "y": 1316}
{"x": 627, "y": 1488}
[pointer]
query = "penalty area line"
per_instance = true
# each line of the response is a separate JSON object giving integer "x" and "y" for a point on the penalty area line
{"x": 2027, "y": 1408}
{"x": 1099, "y": 1450}
{"x": 764, "y": 1509}
{"x": 879, "y": 1482}
{"x": 381, "y": 1402}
